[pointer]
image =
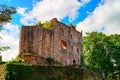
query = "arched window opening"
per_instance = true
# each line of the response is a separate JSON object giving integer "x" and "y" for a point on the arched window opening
{"x": 63, "y": 44}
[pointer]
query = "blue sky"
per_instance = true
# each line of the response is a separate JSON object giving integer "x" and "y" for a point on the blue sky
{"x": 86, "y": 15}
{"x": 89, "y": 6}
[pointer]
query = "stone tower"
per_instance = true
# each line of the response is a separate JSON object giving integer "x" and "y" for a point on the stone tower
{"x": 63, "y": 43}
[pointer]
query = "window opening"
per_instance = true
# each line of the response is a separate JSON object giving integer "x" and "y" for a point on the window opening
{"x": 63, "y": 44}
{"x": 72, "y": 48}
{"x": 74, "y": 62}
{"x": 78, "y": 50}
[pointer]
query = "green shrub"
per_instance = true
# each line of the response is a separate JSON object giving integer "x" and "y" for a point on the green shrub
{"x": 18, "y": 71}
{"x": 50, "y": 60}
{"x": 39, "y": 24}
{"x": 17, "y": 60}
{"x": 45, "y": 25}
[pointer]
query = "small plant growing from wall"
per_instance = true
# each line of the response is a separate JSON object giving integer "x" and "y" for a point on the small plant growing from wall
{"x": 58, "y": 63}
{"x": 17, "y": 59}
{"x": 39, "y": 24}
{"x": 45, "y": 25}
{"x": 50, "y": 60}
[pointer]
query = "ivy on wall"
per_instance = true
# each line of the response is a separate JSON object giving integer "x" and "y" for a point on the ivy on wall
{"x": 20, "y": 71}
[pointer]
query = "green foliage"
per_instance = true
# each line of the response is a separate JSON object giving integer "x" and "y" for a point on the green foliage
{"x": 0, "y": 58}
{"x": 100, "y": 51}
{"x": 5, "y": 14}
{"x": 17, "y": 59}
{"x": 4, "y": 48}
{"x": 39, "y": 24}
{"x": 45, "y": 25}
{"x": 57, "y": 63}
{"x": 50, "y": 60}
{"x": 18, "y": 71}
{"x": 82, "y": 59}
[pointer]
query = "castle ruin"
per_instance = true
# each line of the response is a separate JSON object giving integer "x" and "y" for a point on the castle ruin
{"x": 63, "y": 43}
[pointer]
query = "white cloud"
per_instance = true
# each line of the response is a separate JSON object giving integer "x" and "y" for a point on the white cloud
{"x": 85, "y": 1}
{"x": 21, "y": 11}
{"x": 48, "y": 9}
{"x": 10, "y": 38}
{"x": 105, "y": 16}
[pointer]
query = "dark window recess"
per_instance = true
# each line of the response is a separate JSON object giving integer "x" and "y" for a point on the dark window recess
{"x": 74, "y": 62}
{"x": 72, "y": 48}
{"x": 78, "y": 50}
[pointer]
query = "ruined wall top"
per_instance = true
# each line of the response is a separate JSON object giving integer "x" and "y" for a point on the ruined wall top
{"x": 55, "y": 23}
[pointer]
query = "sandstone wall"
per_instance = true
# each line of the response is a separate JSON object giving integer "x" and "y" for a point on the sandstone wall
{"x": 63, "y": 42}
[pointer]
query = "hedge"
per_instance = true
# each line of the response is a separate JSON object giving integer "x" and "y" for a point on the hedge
{"x": 20, "y": 71}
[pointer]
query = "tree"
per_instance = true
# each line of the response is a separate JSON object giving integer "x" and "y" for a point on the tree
{"x": 99, "y": 52}
{"x": 115, "y": 41}
{"x": 5, "y": 16}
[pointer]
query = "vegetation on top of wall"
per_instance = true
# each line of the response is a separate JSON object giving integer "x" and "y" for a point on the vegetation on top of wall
{"x": 17, "y": 59}
{"x": 45, "y": 25}
{"x": 40, "y": 24}
{"x": 20, "y": 71}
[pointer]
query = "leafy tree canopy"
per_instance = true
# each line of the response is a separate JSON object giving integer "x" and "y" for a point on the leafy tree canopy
{"x": 5, "y": 14}
{"x": 102, "y": 53}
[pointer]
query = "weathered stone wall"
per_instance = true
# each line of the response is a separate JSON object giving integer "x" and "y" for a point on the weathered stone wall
{"x": 63, "y": 42}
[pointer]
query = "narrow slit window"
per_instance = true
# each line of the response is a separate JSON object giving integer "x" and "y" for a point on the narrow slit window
{"x": 78, "y": 50}
{"x": 72, "y": 48}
